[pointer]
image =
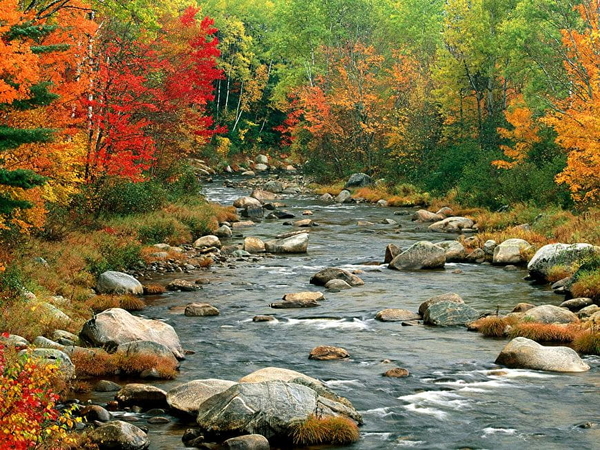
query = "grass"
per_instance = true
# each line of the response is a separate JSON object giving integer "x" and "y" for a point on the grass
{"x": 326, "y": 430}
{"x": 154, "y": 289}
{"x": 99, "y": 303}
{"x": 587, "y": 342}
{"x": 98, "y": 363}
{"x": 493, "y": 326}
{"x": 400, "y": 195}
{"x": 587, "y": 284}
{"x": 543, "y": 332}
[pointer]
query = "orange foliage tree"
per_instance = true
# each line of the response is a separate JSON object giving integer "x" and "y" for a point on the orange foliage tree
{"x": 576, "y": 119}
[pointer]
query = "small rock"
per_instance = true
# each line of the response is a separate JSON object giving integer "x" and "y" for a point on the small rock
{"x": 327, "y": 353}
{"x": 141, "y": 395}
{"x": 522, "y": 307}
{"x": 254, "y": 245}
{"x": 107, "y": 386}
{"x": 207, "y": 241}
{"x": 322, "y": 277}
{"x": 397, "y": 372}
{"x": 247, "y": 442}
{"x": 182, "y": 285}
{"x": 396, "y": 315}
{"x": 575, "y": 304}
{"x": 200, "y": 310}
{"x": 263, "y": 318}
{"x": 159, "y": 420}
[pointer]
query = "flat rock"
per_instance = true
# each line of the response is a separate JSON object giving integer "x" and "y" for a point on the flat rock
{"x": 277, "y": 374}
{"x": 523, "y": 353}
{"x": 183, "y": 285}
{"x": 189, "y": 396}
{"x": 396, "y": 315}
{"x": 298, "y": 303}
{"x": 304, "y": 296}
{"x": 422, "y": 215}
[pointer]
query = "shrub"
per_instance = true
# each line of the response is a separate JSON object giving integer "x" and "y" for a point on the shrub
{"x": 543, "y": 332}
{"x": 327, "y": 430}
{"x": 156, "y": 231}
{"x": 28, "y": 414}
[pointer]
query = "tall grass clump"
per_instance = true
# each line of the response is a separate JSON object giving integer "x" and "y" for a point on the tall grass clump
{"x": 327, "y": 430}
{"x": 492, "y": 326}
{"x": 544, "y": 332}
{"x": 587, "y": 342}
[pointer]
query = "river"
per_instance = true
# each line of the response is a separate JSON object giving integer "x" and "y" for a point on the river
{"x": 455, "y": 397}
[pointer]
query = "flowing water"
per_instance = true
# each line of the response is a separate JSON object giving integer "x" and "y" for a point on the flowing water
{"x": 455, "y": 397}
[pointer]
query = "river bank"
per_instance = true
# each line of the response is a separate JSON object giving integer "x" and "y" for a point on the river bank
{"x": 453, "y": 377}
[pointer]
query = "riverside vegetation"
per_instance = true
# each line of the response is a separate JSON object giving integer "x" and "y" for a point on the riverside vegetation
{"x": 106, "y": 108}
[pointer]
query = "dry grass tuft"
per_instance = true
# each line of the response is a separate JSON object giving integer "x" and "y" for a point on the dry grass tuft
{"x": 587, "y": 342}
{"x": 333, "y": 189}
{"x": 493, "y": 326}
{"x": 98, "y": 363}
{"x": 556, "y": 273}
{"x": 328, "y": 430}
{"x": 154, "y": 289}
{"x": 103, "y": 302}
{"x": 543, "y": 332}
{"x": 587, "y": 285}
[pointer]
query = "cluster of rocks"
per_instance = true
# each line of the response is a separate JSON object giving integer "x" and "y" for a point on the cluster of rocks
{"x": 260, "y": 165}
{"x": 258, "y": 410}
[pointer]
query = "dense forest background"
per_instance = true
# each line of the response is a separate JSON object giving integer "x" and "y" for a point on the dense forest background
{"x": 491, "y": 102}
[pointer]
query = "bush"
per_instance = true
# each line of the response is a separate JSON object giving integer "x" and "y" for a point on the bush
{"x": 492, "y": 326}
{"x": 115, "y": 253}
{"x": 28, "y": 414}
{"x": 327, "y": 430}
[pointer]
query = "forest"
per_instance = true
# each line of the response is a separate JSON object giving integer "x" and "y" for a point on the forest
{"x": 106, "y": 107}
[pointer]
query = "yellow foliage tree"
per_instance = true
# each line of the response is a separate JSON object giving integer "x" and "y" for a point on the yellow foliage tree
{"x": 576, "y": 119}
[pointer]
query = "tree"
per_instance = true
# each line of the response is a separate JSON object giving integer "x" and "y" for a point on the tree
{"x": 576, "y": 118}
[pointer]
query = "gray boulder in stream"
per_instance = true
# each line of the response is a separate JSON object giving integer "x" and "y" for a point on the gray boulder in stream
{"x": 358, "y": 180}
{"x": 116, "y": 326}
{"x": 421, "y": 255}
{"x": 523, "y": 353}
{"x": 293, "y": 244}
{"x": 449, "y": 314}
{"x": 269, "y": 408}
{"x": 119, "y": 435}
{"x": 558, "y": 255}
{"x": 189, "y": 396}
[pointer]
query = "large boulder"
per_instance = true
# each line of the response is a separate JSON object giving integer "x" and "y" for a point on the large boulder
{"x": 550, "y": 314}
{"x": 306, "y": 295}
{"x": 293, "y": 244}
{"x": 523, "y": 353}
{"x": 343, "y": 197}
{"x": 449, "y": 314}
{"x": 448, "y": 297}
{"x": 455, "y": 251}
{"x": 396, "y": 315}
{"x": 552, "y": 255}
{"x": 112, "y": 282}
{"x": 116, "y": 326}
{"x": 511, "y": 251}
{"x": 322, "y": 277}
{"x": 189, "y": 396}
{"x": 276, "y": 374}
{"x": 269, "y": 408}
{"x": 452, "y": 225}
{"x": 119, "y": 435}
{"x": 358, "y": 180}
{"x": 421, "y": 255}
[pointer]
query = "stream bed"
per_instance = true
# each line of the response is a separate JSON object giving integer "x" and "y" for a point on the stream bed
{"x": 455, "y": 396}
